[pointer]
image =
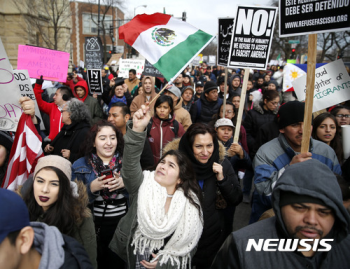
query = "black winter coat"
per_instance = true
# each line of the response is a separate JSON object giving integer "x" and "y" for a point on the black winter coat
{"x": 254, "y": 119}
{"x": 71, "y": 137}
{"x": 207, "y": 110}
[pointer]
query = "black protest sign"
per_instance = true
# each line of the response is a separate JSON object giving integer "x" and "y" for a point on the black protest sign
{"x": 150, "y": 70}
{"x": 93, "y": 53}
{"x": 95, "y": 81}
{"x": 224, "y": 40}
{"x": 299, "y": 17}
{"x": 252, "y": 37}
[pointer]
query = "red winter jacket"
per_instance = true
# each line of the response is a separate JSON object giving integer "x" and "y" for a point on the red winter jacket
{"x": 51, "y": 109}
{"x": 83, "y": 84}
{"x": 161, "y": 134}
{"x": 70, "y": 84}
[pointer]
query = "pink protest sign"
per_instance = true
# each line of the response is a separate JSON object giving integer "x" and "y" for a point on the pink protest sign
{"x": 51, "y": 64}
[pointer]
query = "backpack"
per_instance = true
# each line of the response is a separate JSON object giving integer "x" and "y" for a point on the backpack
{"x": 174, "y": 128}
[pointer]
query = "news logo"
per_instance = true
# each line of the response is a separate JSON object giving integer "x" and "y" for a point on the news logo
{"x": 289, "y": 245}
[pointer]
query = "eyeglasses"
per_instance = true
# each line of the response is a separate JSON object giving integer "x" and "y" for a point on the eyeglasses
{"x": 227, "y": 111}
{"x": 343, "y": 116}
{"x": 274, "y": 103}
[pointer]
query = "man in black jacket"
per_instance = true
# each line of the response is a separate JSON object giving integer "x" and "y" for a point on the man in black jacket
{"x": 309, "y": 217}
{"x": 26, "y": 245}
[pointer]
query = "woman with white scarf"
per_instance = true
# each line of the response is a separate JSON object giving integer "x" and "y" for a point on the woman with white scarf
{"x": 164, "y": 221}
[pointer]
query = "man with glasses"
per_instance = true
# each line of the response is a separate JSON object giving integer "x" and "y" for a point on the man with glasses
{"x": 273, "y": 157}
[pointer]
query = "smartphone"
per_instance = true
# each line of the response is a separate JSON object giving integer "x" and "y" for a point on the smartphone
{"x": 108, "y": 173}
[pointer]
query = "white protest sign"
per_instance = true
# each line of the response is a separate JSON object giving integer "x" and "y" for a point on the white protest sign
{"x": 81, "y": 64}
{"x": 196, "y": 60}
{"x": 345, "y": 130}
{"x": 126, "y": 64}
{"x": 25, "y": 86}
{"x": 10, "y": 109}
{"x": 212, "y": 59}
{"x": 332, "y": 85}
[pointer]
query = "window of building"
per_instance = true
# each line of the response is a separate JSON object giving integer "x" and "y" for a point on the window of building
{"x": 90, "y": 23}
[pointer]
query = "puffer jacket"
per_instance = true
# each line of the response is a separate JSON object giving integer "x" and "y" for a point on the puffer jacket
{"x": 254, "y": 119}
{"x": 206, "y": 111}
{"x": 213, "y": 234}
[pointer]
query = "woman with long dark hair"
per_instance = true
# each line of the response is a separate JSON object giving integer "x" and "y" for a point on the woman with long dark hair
{"x": 326, "y": 129}
{"x": 218, "y": 182}
{"x": 54, "y": 199}
{"x": 164, "y": 221}
{"x": 99, "y": 169}
{"x": 163, "y": 127}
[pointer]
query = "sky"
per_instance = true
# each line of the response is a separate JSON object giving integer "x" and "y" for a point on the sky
{"x": 202, "y": 14}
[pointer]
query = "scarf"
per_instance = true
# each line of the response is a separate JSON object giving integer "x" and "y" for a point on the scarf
{"x": 203, "y": 171}
{"x": 182, "y": 221}
{"x": 116, "y": 99}
{"x": 97, "y": 167}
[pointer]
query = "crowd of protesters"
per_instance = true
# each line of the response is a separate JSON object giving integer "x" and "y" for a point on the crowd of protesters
{"x": 156, "y": 186}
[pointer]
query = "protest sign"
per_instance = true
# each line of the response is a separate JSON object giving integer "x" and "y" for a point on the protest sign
{"x": 205, "y": 58}
{"x": 114, "y": 59}
{"x": 212, "y": 59}
{"x": 345, "y": 131}
{"x": 10, "y": 109}
{"x": 126, "y": 64}
{"x": 224, "y": 40}
{"x": 51, "y": 64}
{"x": 93, "y": 53}
{"x": 252, "y": 37}
{"x": 299, "y": 17}
{"x": 332, "y": 86}
{"x": 150, "y": 70}
{"x": 81, "y": 64}
{"x": 95, "y": 81}
{"x": 25, "y": 87}
{"x": 196, "y": 61}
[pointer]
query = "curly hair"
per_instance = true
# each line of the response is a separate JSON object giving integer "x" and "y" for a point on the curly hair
{"x": 88, "y": 145}
{"x": 67, "y": 212}
{"x": 78, "y": 110}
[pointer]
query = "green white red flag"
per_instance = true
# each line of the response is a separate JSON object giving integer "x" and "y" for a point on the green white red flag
{"x": 167, "y": 43}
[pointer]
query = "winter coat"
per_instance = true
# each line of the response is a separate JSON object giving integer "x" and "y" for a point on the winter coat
{"x": 51, "y": 109}
{"x": 182, "y": 115}
{"x": 236, "y": 162}
{"x": 206, "y": 111}
{"x": 131, "y": 84}
{"x": 71, "y": 84}
{"x": 233, "y": 253}
{"x": 108, "y": 99}
{"x": 213, "y": 236}
{"x": 71, "y": 137}
{"x": 141, "y": 100}
{"x": 254, "y": 119}
{"x": 160, "y": 134}
{"x": 92, "y": 104}
{"x": 133, "y": 177}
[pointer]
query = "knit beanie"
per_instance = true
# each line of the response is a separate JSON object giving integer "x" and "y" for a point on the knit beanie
{"x": 209, "y": 86}
{"x": 56, "y": 161}
{"x": 288, "y": 198}
{"x": 290, "y": 113}
{"x": 6, "y": 140}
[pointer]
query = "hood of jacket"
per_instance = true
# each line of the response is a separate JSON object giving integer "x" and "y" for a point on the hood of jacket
{"x": 48, "y": 241}
{"x": 179, "y": 104}
{"x": 153, "y": 91}
{"x": 259, "y": 107}
{"x": 174, "y": 145}
{"x": 318, "y": 182}
{"x": 83, "y": 84}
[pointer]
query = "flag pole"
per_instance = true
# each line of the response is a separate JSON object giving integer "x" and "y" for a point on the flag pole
{"x": 166, "y": 85}
{"x": 310, "y": 88}
{"x": 225, "y": 93}
{"x": 241, "y": 106}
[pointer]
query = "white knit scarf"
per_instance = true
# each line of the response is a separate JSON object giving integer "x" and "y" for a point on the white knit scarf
{"x": 182, "y": 220}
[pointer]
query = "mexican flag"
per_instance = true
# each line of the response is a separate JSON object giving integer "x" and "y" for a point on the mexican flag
{"x": 167, "y": 43}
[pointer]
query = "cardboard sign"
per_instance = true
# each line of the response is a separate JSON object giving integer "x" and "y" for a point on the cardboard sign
{"x": 10, "y": 110}
{"x": 126, "y": 64}
{"x": 252, "y": 37}
{"x": 150, "y": 70}
{"x": 298, "y": 17}
{"x": 51, "y": 64}
{"x": 93, "y": 53}
{"x": 114, "y": 59}
{"x": 224, "y": 40}
{"x": 95, "y": 81}
{"x": 332, "y": 85}
{"x": 25, "y": 87}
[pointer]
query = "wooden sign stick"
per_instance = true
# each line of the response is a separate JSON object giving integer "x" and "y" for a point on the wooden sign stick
{"x": 241, "y": 106}
{"x": 310, "y": 87}
{"x": 225, "y": 93}
{"x": 155, "y": 98}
